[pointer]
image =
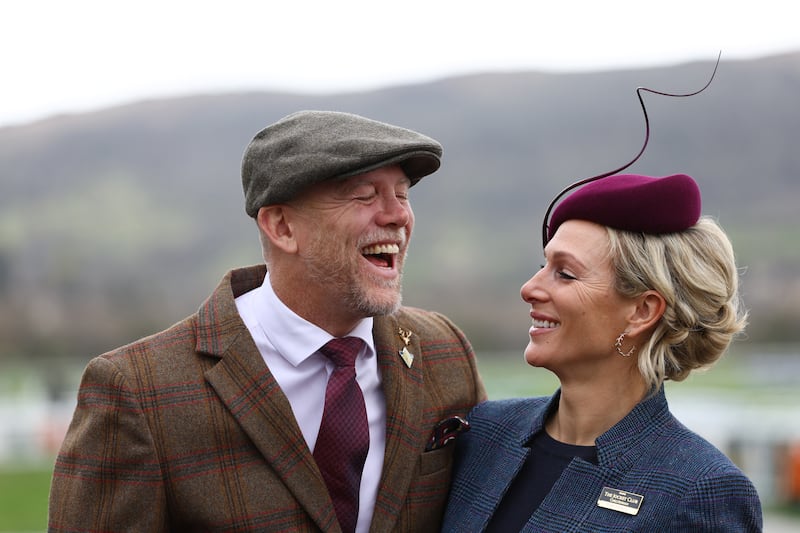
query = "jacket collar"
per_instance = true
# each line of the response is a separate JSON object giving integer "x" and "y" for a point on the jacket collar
{"x": 621, "y": 444}
{"x": 219, "y": 325}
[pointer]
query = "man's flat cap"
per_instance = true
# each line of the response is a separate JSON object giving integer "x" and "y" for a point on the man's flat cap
{"x": 642, "y": 204}
{"x": 312, "y": 146}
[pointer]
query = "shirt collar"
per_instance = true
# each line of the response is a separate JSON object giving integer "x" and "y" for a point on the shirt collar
{"x": 295, "y": 338}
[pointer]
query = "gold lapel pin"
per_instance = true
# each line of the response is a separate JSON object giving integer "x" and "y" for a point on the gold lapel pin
{"x": 405, "y": 355}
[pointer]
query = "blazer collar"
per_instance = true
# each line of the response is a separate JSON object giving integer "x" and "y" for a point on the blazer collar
{"x": 219, "y": 325}
{"x": 621, "y": 444}
{"x": 251, "y": 394}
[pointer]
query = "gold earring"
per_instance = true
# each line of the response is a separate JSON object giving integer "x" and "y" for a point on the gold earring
{"x": 618, "y": 346}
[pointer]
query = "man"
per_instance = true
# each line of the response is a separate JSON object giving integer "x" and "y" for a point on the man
{"x": 226, "y": 421}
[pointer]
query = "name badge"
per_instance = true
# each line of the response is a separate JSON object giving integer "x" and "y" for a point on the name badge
{"x": 620, "y": 500}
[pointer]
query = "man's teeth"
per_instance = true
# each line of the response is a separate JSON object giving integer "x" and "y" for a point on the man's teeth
{"x": 381, "y": 249}
{"x": 545, "y": 324}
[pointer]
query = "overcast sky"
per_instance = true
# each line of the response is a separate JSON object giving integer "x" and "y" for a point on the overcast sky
{"x": 71, "y": 56}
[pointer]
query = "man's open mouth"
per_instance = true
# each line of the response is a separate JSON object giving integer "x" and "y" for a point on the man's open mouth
{"x": 381, "y": 255}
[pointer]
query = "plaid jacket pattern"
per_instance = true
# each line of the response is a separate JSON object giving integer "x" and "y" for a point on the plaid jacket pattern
{"x": 688, "y": 485}
{"x": 187, "y": 430}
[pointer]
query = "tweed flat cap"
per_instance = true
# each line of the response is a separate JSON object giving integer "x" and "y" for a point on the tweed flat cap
{"x": 634, "y": 203}
{"x": 312, "y": 146}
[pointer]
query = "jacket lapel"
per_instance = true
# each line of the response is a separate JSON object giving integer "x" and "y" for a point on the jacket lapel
{"x": 249, "y": 391}
{"x": 510, "y": 456}
{"x": 403, "y": 388}
{"x": 481, "y": 487}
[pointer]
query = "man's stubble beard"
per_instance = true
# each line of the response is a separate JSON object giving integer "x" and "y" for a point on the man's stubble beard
{"x": 340, "y": 274}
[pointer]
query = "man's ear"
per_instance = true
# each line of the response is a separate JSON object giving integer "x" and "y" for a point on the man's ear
{"x": 650, "y": 307}
{"x": 274, "y": 221}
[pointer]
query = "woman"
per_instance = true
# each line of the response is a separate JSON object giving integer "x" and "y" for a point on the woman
{"x": 637, "y": 289}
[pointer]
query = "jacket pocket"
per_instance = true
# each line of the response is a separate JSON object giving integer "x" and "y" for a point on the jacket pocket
{"x": 436, "y": 460}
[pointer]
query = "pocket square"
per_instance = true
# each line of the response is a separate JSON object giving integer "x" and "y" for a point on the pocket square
{"x": 446, "y": 431}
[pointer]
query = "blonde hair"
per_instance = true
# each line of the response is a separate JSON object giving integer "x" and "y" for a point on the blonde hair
{"x": 695, "y": 271}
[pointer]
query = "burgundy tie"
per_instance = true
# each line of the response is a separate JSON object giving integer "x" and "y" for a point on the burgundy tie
{"x": 343, "y": 440}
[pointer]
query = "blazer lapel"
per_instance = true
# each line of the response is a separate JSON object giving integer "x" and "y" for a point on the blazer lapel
{"x": 483, "y": 489}
{"x": 403, "y": 388}
{"x": 508, "y": 460}
{"x": 249, "y": 391}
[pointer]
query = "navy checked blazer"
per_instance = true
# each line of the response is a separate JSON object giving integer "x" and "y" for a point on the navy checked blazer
{"x": 688, "y": 485}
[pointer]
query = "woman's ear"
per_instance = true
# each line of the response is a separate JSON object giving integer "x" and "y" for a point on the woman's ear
{"x": 650, "y": 307}
{"x": 274, "y": 221}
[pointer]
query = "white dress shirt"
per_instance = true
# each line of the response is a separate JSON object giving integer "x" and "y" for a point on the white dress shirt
{"x": 290, "y": 348}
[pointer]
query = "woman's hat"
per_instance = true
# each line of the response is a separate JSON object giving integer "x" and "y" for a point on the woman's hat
{"x": 633, "y": 203}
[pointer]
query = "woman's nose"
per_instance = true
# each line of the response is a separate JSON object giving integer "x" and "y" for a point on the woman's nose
{"x": 532, "y": 290}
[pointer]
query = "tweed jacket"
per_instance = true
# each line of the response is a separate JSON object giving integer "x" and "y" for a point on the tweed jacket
{"x": 687, "y": 484}
{"x": 187, "y": 430}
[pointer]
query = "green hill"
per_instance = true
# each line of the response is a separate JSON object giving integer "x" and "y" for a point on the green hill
{"x": 116, "y": 223}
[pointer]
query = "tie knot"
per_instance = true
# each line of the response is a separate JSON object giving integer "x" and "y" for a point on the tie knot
{"x": 342, "y": 351}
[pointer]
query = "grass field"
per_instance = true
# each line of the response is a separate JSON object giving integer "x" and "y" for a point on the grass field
{"x": 23, "y": 497}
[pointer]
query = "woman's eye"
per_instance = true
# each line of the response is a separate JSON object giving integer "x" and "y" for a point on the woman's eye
{"x": 560, "y": 273}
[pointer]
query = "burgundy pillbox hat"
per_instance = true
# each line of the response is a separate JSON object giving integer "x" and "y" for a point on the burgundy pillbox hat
{"x": 633, "y": 203}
